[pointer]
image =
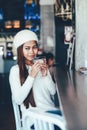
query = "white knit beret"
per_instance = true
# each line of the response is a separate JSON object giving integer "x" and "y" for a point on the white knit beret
{"x": 24, "y": 36}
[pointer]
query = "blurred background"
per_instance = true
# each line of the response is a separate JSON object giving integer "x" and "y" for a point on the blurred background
{"x": 50, "y": 20}
{"x": 47, "y": 20}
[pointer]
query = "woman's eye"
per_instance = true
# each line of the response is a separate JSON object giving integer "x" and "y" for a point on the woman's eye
{"x": 35, "y": 47}
{"x": 26, "y": 48}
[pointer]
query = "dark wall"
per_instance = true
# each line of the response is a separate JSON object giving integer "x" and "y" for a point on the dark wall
{"x": 5, "y": 92}
{"x": 61, "y": 48}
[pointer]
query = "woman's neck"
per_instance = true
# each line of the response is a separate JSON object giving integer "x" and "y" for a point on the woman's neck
{"x": 29, "y": 63}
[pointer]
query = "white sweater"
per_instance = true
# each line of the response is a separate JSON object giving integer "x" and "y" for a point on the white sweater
{"x": 43, "y": 88}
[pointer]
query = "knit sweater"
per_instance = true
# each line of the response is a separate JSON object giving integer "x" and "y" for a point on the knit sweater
{"x": 43, "y": 88}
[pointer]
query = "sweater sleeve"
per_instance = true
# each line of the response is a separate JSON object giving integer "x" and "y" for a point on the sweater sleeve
{"x": 19, "y": 92}
{"x": 48, "y": 82}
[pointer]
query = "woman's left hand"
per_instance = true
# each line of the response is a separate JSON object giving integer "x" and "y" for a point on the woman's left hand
{"x": 44, "y": 69}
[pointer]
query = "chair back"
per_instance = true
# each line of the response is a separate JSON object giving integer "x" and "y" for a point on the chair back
{"x": 18, "y": 120}
{"x": 43, "y": 120}
{"x": 36, "y": 119}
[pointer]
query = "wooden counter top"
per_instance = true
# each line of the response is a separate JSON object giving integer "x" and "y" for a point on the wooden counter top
{"x": 72, "y": 87}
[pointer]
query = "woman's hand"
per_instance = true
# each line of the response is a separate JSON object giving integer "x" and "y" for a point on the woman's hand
{"x": 44, "y": 69}
{"x": 36, "y": 67}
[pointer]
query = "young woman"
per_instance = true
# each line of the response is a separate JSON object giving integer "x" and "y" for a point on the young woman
{"x": 30, "y": 81}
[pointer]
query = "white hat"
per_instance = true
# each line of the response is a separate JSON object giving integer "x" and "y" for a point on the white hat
{"x": 24, "y": 36}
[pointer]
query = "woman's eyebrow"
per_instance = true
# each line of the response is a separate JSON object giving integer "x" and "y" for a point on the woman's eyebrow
{"x": 27, "y": 46}
{"x": 30, "y": 46}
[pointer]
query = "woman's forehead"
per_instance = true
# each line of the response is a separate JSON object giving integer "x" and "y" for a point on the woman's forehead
{"x": 30, "y": 43}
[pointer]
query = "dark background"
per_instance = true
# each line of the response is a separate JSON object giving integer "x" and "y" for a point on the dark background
{"x": 12, "y": 9}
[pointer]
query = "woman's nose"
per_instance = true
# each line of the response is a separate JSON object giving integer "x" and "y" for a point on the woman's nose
{"x": 31, "y": 50}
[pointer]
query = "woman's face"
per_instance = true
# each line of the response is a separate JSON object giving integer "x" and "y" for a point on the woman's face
{"x": 30, "y": 50}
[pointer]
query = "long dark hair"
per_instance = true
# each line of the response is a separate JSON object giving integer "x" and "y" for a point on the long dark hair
{"x": 23, "y": 73}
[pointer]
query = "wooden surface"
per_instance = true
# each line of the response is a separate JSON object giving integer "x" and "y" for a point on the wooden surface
{"x": 72, "y": 87}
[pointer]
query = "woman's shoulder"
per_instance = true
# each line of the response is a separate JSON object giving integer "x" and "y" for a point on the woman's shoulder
{"x": 14, "y": 73}
{"x": 14, "y": 68}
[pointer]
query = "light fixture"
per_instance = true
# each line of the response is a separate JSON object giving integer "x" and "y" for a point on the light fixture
{"x": 64, "y": 9}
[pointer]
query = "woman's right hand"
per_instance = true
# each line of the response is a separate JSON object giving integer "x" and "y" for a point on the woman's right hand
{"x": 36, "y": 67}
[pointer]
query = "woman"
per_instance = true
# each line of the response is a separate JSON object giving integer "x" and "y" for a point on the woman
{"x": 30, "y": 82}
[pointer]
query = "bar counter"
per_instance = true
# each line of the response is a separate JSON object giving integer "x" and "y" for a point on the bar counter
{"x": 72, "y": 90}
